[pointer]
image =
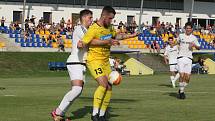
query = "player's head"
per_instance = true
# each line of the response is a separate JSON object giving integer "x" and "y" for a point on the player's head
{"x": 188, "y": 28}
{"x": 86, "y": 17}
{"x": 171, "y": 40}
{"x": 107, "y": 15}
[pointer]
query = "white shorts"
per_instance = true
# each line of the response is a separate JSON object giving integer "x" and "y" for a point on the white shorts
{"x": 173, "y": 68}
{"x": 76, "y": 72}
{"x": 185, "y": 65}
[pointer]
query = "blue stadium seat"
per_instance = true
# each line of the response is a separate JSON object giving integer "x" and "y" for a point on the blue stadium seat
{"x": 37, "y": 36}
{"x": 11, "y": 35}
{"x": 28, "y": 44}
{"x": 39, "y": 44}
{"x": 17, "y": 40}
{"x": 33, "y": 45}
{"x": 38, "y": 40}
{"x": 22, "y": 40}
{"x": 44, "y": 44}
{"x": 27, "y": 40}
{"x": 23, "y": 44}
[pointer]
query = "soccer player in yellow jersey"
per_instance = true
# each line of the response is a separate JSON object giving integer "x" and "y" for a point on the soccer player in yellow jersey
{"x": 98, "y": 59}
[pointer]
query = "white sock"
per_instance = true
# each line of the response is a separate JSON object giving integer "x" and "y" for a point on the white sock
{"x": 68, "y": 99}
{"x": 176, "y": 77}
{"x": 101, "y": 113}
{"x": 172, "y": 78}
{"x": 95, "y": 111}
{"x": 181, "y": 86}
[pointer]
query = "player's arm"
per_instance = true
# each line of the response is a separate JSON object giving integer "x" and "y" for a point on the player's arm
{"x": 103, "y": 42}
{"x": 125, "y": 36}
{"x": 195, "y": 44}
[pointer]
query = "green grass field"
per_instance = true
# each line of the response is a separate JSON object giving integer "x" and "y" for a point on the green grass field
{"x": 138, "y": 98}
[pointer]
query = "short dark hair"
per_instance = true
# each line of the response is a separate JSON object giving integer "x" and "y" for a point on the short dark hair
{"x": 85, "y": 12}
{"x": 108, "y": 9}
{"x": 189, "y": 24}
{"x": 170, "y": 38}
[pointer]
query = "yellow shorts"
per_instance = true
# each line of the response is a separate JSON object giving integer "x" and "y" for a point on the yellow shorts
{"x": 99, "y": 68}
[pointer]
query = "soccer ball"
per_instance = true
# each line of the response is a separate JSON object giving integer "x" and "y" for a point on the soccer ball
{"x": 115, "y": 78}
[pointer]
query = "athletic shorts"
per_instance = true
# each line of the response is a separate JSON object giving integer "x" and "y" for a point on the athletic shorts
{"x": 173, "y": 68}
{"x": 184, "y": 65}
{"x": 76, "y": 72}
{"x": 99, "y": 68}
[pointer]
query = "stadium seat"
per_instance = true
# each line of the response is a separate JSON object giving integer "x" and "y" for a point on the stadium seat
{"x": 23, "y": 44}
{"x": 22, "y": 40}
{"x": 17, "y": 40}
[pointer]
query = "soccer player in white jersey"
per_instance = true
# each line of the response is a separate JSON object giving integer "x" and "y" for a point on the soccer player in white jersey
{"x": 170, "y": 57}
{"x": 76, "y": 67}
{"x": 187, "y": 41}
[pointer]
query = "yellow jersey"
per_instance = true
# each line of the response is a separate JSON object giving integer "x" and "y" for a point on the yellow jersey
{"x": 98, "y": 32}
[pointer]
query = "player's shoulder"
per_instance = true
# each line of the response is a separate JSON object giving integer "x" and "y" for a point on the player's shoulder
{"x": 193, "y": 36}
{"x": 94, "y": 26}
{"x": 167, "y": 47}
{"x": 77, "y": 28}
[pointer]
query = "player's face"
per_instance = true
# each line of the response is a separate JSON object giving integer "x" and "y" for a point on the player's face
{"x": 189, "y": 30}
{"x": 108, "y": 19}
{"x": 171, "y": 41}
{"x": 88, "y": 19}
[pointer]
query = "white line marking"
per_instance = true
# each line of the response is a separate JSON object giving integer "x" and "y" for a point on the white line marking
{"x": 9, "y": 95}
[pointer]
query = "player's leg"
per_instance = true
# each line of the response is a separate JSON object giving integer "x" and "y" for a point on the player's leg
{"x": 187, "y": 73}
{"x": 181, "y": 68}
{"x": 77, "y": 81}
{"x": 107, "y": 95}
{"x": 97, "y": 70}
{"x": 172, "y": 77}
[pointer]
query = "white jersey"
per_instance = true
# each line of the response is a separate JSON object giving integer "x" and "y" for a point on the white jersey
{"x": 184, "y": 42}
{"x": 172, "y": 54}
{"x": 78, "y": 55}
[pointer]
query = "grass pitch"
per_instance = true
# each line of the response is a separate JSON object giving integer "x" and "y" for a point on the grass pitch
{"x": 138, "y": 98}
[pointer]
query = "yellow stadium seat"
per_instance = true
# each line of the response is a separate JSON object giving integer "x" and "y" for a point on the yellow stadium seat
{"x": 65, "y": 45}
{"x": 142, "y": 42}
{"x": 124, "y": 42}
{"x": 47, "y": 32}
{"x": 69, "y": 45}
{"x": 42, "y": 33}
{"x": 129, "y": 42}
{"x": 135, "y": 46}
{"x": 37, "y": 32}
{"x": 63, "y": 37}
{"x": 132, "y": 42}
{"x": 54, "y": 45}
{"x": 130, "y": 46}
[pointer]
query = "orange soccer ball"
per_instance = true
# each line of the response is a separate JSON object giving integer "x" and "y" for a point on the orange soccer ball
{"x": 115, "y": 78}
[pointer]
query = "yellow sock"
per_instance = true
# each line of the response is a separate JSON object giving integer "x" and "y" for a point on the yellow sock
{"x": 98, "y": 96}
{"x": 105, "y": 102}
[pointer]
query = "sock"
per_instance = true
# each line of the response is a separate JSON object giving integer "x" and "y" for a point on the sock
{"x": 68, "y": 99}
{"x": 98, "y": 96}
{"x": 181, "y": 86}
{"x": 172, "y": 78}
{"x": 176, "y": 77}
{"x": 105, "y": 103}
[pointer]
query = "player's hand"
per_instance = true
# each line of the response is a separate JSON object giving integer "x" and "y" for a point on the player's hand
{"x": 191, "y": 45}
{"x": 114, "y": 42}
{"x": 135, "y": 34}
{"x": 80, "y": 44}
